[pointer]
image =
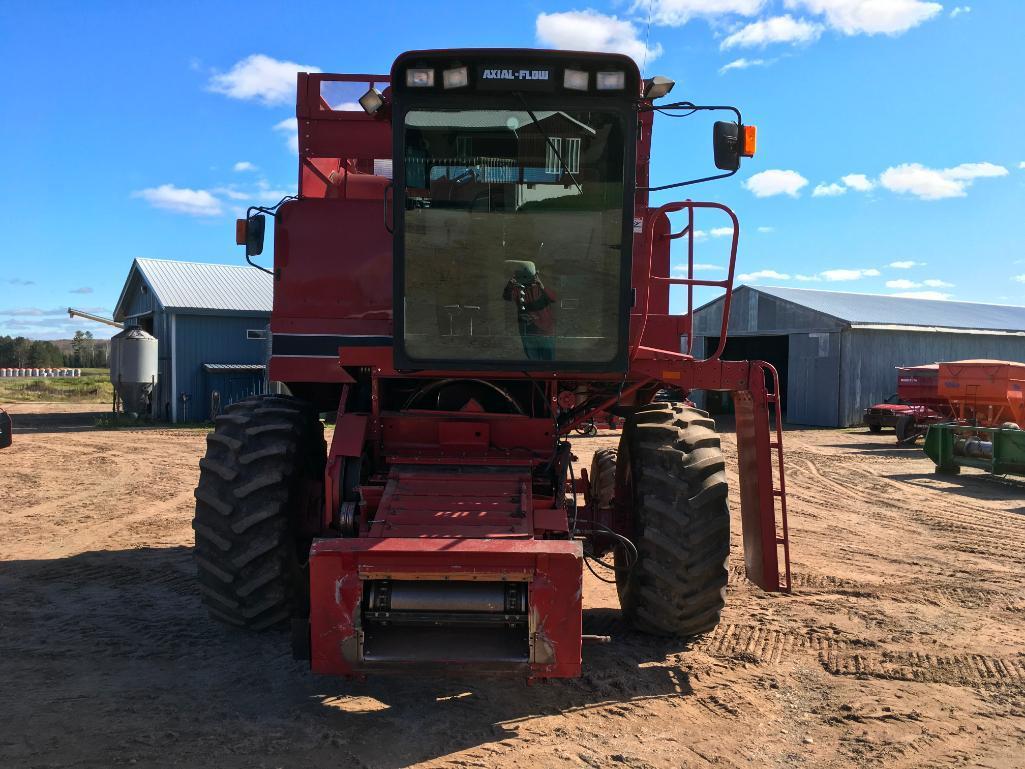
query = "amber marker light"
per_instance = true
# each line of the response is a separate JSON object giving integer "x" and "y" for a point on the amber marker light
{"x": 750, "y": 141}
{"x": 240, "y": 232}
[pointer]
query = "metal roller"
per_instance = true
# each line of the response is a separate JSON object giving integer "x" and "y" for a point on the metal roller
{"x": 445, "y": 596}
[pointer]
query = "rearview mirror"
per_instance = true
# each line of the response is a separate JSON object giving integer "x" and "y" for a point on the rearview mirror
{"x": 726, "y": 145}
{"x": 249, "y": 233}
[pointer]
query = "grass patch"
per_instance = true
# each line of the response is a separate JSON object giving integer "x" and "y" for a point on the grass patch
{"x": 91, "y": 387}
{"x": 122, "y": 422}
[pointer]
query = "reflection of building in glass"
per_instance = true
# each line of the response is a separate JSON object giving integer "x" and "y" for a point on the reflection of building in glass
{"x": 497, "y": 147}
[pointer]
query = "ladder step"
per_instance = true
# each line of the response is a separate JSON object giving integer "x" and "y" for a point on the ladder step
{"x": 777, "y": 493}
{"x": 774, "y": 444}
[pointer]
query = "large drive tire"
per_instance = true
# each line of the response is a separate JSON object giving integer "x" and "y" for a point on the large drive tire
{"x": 875, "y": 427}
{"x": 671, "y": 460}
{"x": 264, "y": 465}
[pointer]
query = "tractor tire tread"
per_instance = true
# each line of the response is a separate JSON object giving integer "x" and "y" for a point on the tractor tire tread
{"x": 260, "y": 458}
{"x": 681, "y": 521}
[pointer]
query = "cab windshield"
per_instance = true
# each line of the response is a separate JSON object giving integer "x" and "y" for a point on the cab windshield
{"x": 513, "y": 235}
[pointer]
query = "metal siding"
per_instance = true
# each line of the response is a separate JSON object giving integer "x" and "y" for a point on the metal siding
{"x": 870, "y": 358}
{"x": 813, "y": 379}
{"x": 138, "y": 301}
{"x": 212, "y": 339}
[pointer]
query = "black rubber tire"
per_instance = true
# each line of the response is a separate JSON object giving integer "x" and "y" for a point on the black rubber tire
{"x": 681, "y": 521}
{"x": 875, "y": 428}
{"x": 264, "y": 463}
{"x": 602, "y": 480}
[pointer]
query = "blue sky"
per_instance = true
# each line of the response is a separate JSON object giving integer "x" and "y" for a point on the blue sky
{"x": 890, "y": 152}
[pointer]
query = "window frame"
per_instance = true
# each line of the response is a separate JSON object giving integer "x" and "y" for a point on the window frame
{"x": 626, "y": 109}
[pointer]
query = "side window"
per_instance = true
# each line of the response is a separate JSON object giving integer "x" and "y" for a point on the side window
{"x": 256, "y": 333}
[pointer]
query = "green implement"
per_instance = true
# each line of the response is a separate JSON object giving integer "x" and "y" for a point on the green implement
{"x": 998, "y": 450}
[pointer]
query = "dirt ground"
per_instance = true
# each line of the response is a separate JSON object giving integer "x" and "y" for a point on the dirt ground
{"x": 903, "y": 644}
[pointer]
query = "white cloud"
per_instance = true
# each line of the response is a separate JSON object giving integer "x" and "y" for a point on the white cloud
{"x": 906, "y": 264}
{"x": 776, "y": 182}
{"x": 902, "y": 283}
{"x": 674, "y": 13}
{"x": 807, "y": 278}
{"x": 778, "y": 29}
{"x": 243, "y": 165}
{"x": 760, "y": 274}
{"x": 957, "y": 10}
{"x": 721, "y": 232}
{"x": 181, "y": 200}
{"x": 935, "y": 283}
{"x": 592, "y": 31}
{"x": 836, "y": 275}
{"x": 290, "y": 128}
{"x": 1019, "y": 278}
{"x": 971, "y": 171}
{"x": 922, "y": 295}
{"x": 260, "y": 78}
{"x": 1022, "y": 164}
{"x": 82, "y": 290}
{"x": 766, "y": 229}
{"x": 681, "y": 269}
{"x": 869, "y": 17}
{"x": 744, "y": 64}
{"x": 858, "y": 182}
{"x": 828, "y": 190}
{"x": 937, "y": 184}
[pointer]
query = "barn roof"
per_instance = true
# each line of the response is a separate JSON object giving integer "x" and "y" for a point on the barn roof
{"x": 874, "y": 310}
{"x": 197, "y": 286}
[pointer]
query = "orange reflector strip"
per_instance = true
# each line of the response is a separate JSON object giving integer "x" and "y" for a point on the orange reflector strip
{"x": 240, "y": 232}
{"x": 667, "y": 375}
{"x": 750, "y": 143}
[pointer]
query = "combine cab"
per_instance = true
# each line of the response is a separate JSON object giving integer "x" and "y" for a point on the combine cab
{"x": 470, "y": 272}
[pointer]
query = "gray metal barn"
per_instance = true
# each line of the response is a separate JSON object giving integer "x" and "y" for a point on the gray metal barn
{"x": 836, "y": 352}
{"x": 211, "y": 324}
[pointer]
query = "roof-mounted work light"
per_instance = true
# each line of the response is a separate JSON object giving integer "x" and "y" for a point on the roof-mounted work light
{"x": 371, "y": 101}
{"x": 657, "y": 87}
{"x": 610, "y": 81}
{"x": 420, "y": 78}
{"x": 575, "y": 80}
{"x": 455, "y": 78}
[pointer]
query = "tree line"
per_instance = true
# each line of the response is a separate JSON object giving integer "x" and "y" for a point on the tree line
{"x": 19, "y": 352}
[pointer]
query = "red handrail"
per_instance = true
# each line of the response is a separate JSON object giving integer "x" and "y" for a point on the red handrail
{"x": 690, "y": 281}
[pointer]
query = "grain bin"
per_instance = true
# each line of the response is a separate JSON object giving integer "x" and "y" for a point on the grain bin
{"x": 133, "y": 369}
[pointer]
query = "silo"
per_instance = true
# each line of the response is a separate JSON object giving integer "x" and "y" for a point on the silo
{"x": 133, "y": 368}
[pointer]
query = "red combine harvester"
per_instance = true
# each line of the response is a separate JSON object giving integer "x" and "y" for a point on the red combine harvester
{"x": 470, "y": 271}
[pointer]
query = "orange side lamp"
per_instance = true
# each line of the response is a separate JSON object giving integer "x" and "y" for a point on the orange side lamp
{"x": 750, "y": 141}
{"x": 240, "y": 231}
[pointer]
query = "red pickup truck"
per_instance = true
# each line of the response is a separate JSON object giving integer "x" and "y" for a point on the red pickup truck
{"x": 889, "y": 412}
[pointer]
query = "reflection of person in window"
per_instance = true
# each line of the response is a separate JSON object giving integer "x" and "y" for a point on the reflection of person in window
{"x": 534, "y": 311}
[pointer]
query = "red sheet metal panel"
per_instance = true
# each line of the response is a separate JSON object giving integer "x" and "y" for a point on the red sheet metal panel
{"x": 757, "y": 502}
{"x": 552, "y": 569}
{"x": 429, "y": 502}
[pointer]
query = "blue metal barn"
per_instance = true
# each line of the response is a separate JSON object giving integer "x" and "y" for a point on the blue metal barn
{"x": 211, "y": 323}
